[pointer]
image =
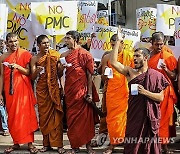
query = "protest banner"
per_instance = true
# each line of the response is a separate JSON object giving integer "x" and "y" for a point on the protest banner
{"x": 101, "y": 43}
{"x": 146, "y": 21}
{"x": 103, "y": 17}
{"x": 131, "y": 38}
{"x": 3, "y": 20}
{"x": 87, "y": 16}
{"x": 54, "y": 18}
{"x": 166, "y": 15}
{"x": 20, "y": 23}
{"x": 177, "y": 32}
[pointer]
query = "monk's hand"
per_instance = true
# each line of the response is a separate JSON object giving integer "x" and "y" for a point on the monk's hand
{"x": 164, "y": 67}
{"x": 39, "y": 69}
{"x": 14, "y": 66}
{"x": 1, "y": 101}
{"x": 88, "y": 98}
{"x": 120, "y": 34}
{"x": 141, "y": 89}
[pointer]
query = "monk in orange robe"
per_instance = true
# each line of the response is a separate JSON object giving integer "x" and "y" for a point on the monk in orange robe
{"x": 116, "y": 98}
{"x": 50, "y": 110}
{"x": 19, "y": 95}
{"x": 79, "y": 94}
{"x": 168, "y": 69}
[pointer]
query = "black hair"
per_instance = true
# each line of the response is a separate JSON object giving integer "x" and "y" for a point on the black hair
{"x": 40, "y": 38}
{"x": 145, "y": 51}
{"x": 157, "y": 36}
{"x": 114, "y": 37}
{"x": 74, "y": 34}
{"x": 11, "y": 34}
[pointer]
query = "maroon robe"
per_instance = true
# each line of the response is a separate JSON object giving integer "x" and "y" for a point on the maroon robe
{"x": 80, "y": 114}
{"x": 143, "y": 115}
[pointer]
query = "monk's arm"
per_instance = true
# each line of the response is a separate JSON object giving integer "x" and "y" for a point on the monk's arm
{"x": 114, "y": 62}
{"x": 171, "y": 74}
{"x": 25, "y": 71}
{"x": 34, "y": 70}
{"x": 158, "y": 97}
{"x": 1, "y": 78}
{"x": 60, "y": 69}
{"x": 89, "y": 78}
{"x": 104, "y": 62}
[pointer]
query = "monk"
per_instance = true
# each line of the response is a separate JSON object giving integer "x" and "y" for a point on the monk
{"x": 116, "y": 98}
{"x": 168, "y": 69}
{"x": 44, "y": 66}
{"x": 22, "y": 121}
{"x": 103, "y": 123}
{"x": 79, "y": 94}
{"x": 146, "y": 88}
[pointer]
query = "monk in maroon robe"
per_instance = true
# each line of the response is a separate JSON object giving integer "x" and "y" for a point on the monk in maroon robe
{"x": 143, "y": 115}
{"x": 146, "y": 88}
{"x": 78, "y": 86}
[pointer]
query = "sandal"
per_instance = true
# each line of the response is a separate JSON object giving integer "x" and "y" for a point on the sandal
{"x": 12, "y": 148}
{"x": 6, "y": 133}
{"x": 33, "y": 150}
{"x": 44, "y": 149}
{"x": 61, "y": 150}
{"x": 167, "y": 152}
{"x": 94, "y": 144}
{"x": 108, "y": 151}
{"x": 90, "y": 150}
{"x": 73, "y": 151}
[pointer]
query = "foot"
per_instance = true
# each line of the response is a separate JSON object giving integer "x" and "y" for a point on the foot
{"x": 94, "y": 143}
{"x": 108, "y": 151}
{"x": 61, "y": 150}
{"x": 90, "y": 150}
{"x": 167, "y": 151}
{"x": 44, "y": 149}
{"x": 33, "y": 150}
{"x": 73, "y": 151}
{"x": 5, "y": 133}
{"x": 12, "y": 148}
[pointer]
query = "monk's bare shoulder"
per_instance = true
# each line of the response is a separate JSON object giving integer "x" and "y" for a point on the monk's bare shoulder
{"x": 64, "y": 54}
{"x": 4, "y": 56}
{"x": 34, "y": 59}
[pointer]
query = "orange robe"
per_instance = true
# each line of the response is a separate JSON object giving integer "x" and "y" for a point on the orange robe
{"x": 167, "y": 105}
{"x": 49, "y": 103}
{"x": 117, "y": 104}
{"x": 22, "y": 121}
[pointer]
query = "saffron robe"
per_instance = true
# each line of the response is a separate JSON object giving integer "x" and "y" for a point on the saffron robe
{"x": 22, "y": 121}
{"x": 49, "y": 102}
{"x": 117, "y": 103}
{"x": 143, "y": 115}
{"x": 167, "y": 105}
{"x": 80, "y": 114}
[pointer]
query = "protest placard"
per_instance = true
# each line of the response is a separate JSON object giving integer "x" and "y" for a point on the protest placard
{"x": 54, "y": 18}
{"x": 146, "y": 21}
